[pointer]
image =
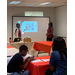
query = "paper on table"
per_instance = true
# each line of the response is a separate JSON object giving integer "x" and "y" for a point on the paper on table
{"x": 45, "y": 60}
{"x": 38, "y": 60}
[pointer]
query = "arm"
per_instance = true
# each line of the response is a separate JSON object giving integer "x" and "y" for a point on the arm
{"x": 26, "y": 63}
{"x": 52, "y": 62}
{"x": 26, "y": 60}
{"x": 52, "y": 68}
{"x": 15, "y": 30}
{"x": 24, "y": 66}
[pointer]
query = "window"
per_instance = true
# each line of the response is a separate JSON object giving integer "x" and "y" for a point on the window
{"x": 33, "y": 13}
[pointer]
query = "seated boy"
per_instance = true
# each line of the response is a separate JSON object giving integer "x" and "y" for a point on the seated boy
{"x": 16, "y": 64}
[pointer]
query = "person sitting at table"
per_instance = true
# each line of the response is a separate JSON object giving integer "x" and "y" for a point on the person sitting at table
{"x": 58, "y": 59}
{"x": 16, "y": 65}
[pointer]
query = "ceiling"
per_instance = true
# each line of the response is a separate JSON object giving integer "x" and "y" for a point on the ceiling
{"x": 36, "y": 3}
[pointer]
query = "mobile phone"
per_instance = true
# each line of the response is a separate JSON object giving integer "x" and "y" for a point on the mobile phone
{"x": 32, "y": 56}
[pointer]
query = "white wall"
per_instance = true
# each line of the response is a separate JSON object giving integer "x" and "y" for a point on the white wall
{"x": 57, "y": 15}
{"x": 61, "y": 21}
{"x": 19, "y": 11}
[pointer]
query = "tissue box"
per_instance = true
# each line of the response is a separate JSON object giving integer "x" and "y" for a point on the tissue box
{"x": 27, "y": 40}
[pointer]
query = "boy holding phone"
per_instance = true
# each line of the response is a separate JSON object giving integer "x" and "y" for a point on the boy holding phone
{"x": 16, "y": 64}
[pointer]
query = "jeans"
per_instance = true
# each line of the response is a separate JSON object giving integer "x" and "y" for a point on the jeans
{"x": 24, "y": 73}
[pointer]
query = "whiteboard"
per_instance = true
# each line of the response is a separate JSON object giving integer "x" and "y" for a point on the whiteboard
{"x": 42, "y": 26}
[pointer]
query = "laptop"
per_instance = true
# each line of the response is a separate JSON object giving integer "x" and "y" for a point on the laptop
{"x": 17, "y": 39}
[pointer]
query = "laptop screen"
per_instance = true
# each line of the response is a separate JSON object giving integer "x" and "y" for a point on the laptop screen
{"x": 17, "y": 39}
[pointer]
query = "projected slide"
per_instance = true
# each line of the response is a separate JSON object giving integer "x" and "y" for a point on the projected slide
{"x": 28, "y": 26}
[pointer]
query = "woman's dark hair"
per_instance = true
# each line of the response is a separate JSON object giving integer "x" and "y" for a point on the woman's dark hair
{"x": 50, "y": 24}
{"x": 23, "y": 47}
{"x": 60, "y": 45}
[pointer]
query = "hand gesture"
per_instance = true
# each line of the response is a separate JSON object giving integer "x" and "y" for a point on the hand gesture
{"x": 30, "y": 59}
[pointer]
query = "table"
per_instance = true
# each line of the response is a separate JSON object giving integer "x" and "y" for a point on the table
{"x": 43, "y": 46}
{"x": 31, "y": 50}
{"x": 38, "y": 68}
{"x": 9, "y": 46}
{"x": 18, "y": 44}
{"x": 11, "y": 50}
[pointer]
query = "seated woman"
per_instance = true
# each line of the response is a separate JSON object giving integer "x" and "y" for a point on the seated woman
{"x": 58, "y": 59}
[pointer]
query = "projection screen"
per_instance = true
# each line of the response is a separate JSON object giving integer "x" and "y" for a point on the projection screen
{"x": 33, "y": 27}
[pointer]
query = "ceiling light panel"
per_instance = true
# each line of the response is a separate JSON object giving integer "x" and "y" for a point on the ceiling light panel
{"x": 45, "y": 3}
{"x": 15, "y": 2}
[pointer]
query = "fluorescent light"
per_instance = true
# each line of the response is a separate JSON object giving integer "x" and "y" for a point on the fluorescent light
{"x": 12, "y": 2}
{"x": 46, "y": 3}
{"x": 15, "y": 2}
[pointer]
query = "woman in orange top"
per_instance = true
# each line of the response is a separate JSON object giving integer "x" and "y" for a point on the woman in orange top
{"x": 50, "y": 32}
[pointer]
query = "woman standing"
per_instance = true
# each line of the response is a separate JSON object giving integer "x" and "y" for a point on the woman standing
{"x": 50, "y": 32}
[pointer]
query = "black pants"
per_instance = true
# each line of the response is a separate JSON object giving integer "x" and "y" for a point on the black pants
{"x": 49, "y": 39}
{"x": 48, "y": 72}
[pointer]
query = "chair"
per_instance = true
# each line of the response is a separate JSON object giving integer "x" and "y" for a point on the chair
{"x": 59, "y": 36}
{"x": 42, "y": 53}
